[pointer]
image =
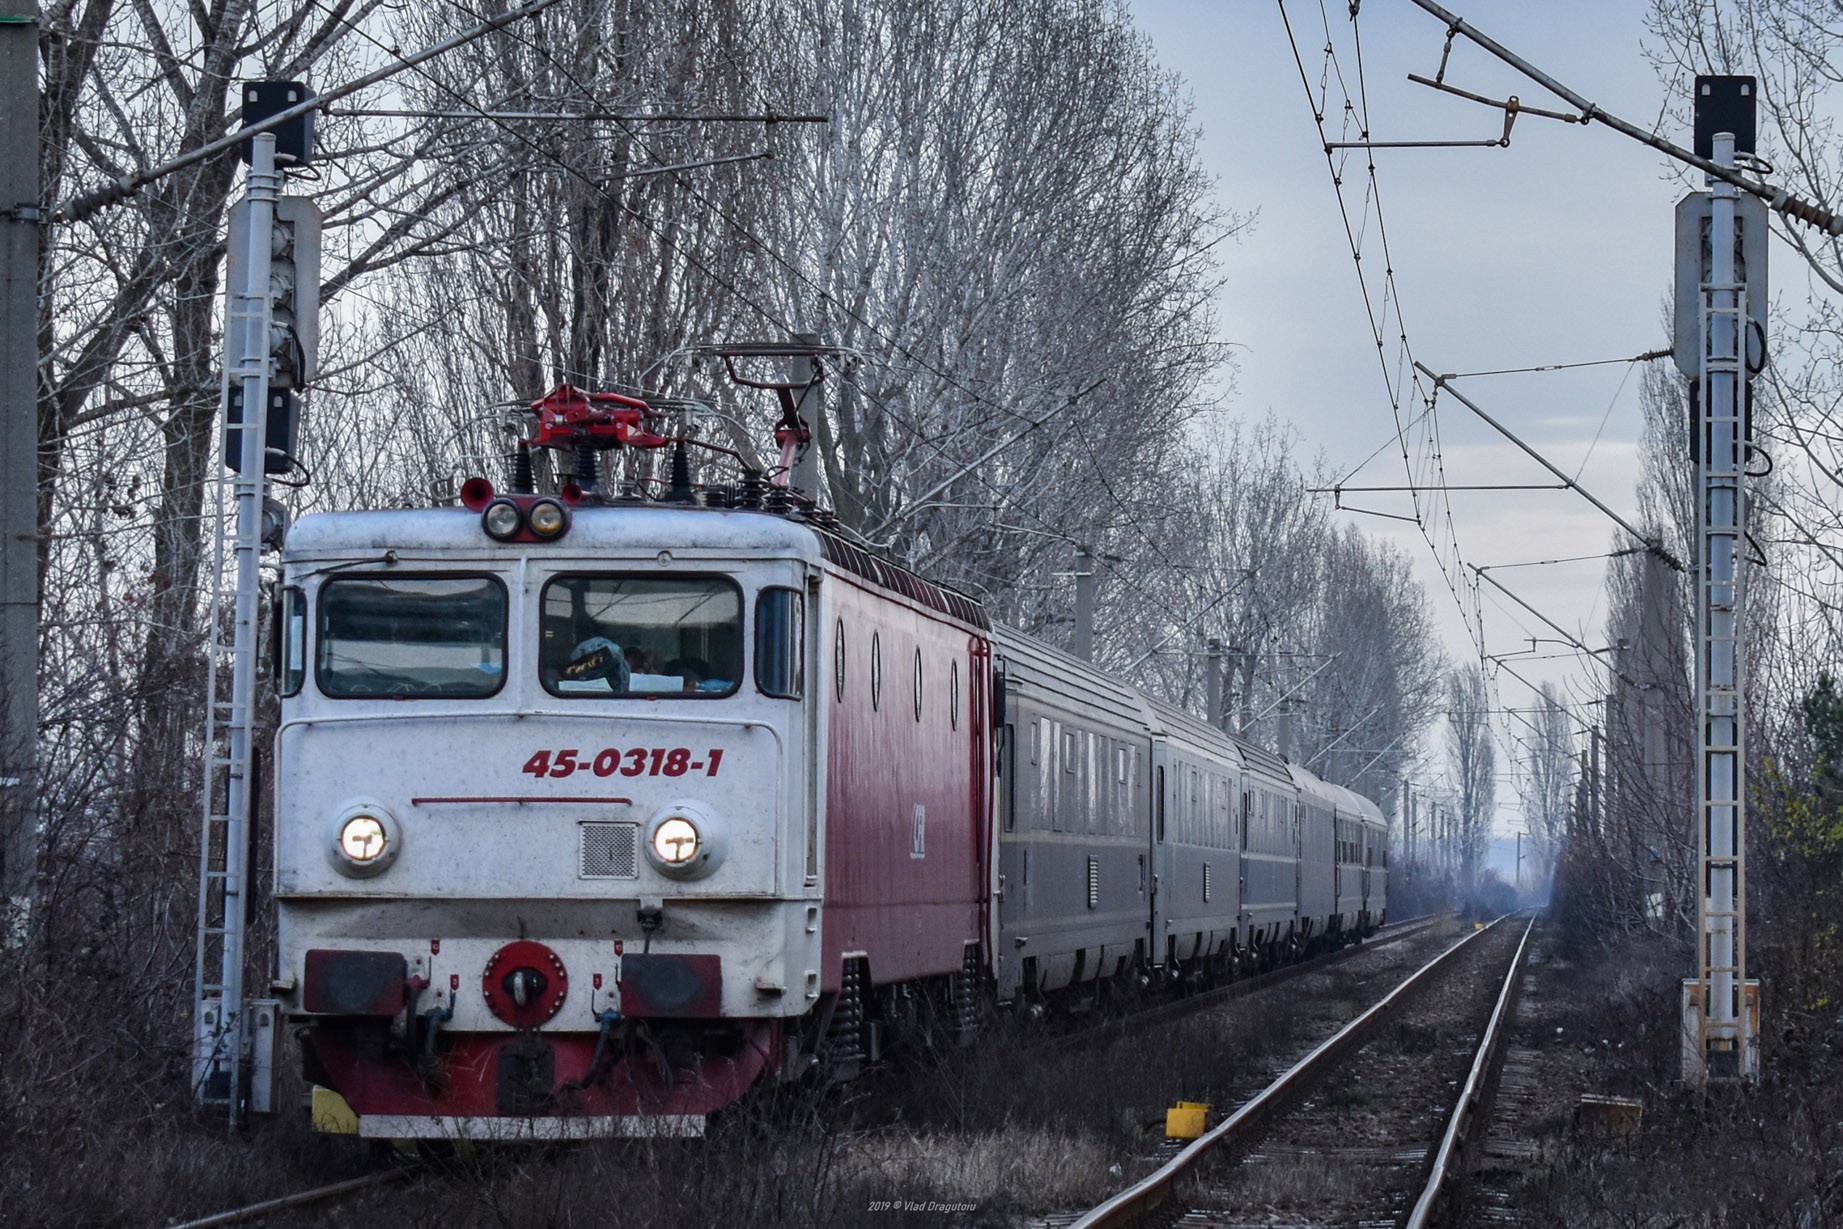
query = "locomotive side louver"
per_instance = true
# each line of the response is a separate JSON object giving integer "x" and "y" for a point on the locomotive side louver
{"x": 1094, "y": 883}
{"x": 609, "y": 851}
{"x": 1206, "y": 883}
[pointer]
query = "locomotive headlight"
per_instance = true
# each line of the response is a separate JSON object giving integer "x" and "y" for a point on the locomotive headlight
{"x": 676, "y": 841}
{"x": 365, "y": 840}
{"x": 547, "y": 519}
{"x": 502, "y": 519}
{"x": 684, "y": 840}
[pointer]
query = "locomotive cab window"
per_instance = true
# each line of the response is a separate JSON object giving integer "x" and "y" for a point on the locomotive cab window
{"x": 411, "y": 637}
{"x": 291, "y": 641}
{"x": 658, "y": 637}
{"x": 780, "y": 640}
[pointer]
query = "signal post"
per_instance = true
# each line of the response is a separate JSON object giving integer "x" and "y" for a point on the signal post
{"x": 1720, "y": 304}
{"x": 271, "y": 333}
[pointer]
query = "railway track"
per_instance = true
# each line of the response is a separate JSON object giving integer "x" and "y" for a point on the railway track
{"x": 1116, "y": 1028}
{"x": 1113, "y": 1029}
{"x": 1365, "y": 1129}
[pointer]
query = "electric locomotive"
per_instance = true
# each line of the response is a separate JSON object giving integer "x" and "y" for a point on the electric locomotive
{"x": 574, "y": 835}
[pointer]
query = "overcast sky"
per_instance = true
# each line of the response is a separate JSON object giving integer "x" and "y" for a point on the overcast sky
{"x": 1554, "y": 250}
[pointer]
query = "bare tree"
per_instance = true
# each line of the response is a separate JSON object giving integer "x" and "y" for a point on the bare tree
{"x": 1472, "y": 756}
{"x": 1548, "y": 784}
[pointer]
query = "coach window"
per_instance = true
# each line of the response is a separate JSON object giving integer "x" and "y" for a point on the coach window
{"x": 291, "y": 644}
{"x": 780, "y": 634}
{"x": 838, "y": 660}
{"x": 918, "y": 685}
{"x": 953, "y": 694}
{"x": 411, "y": 637}
{"x": 657, "y": 637}
{"x": 1158, "y": 801}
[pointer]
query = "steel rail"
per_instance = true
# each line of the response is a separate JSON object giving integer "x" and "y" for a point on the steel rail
{"x": 298, "y": 1199}
{"x": 1133, "y": 1204}
{"x": 1469, "y": 1111}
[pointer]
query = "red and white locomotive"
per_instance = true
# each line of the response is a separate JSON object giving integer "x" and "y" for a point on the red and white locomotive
{"x": 592, "y": 816}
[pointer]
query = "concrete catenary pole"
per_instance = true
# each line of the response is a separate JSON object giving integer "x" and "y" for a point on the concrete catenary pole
{"x": 1212, "y": 684}
{"x": 19, "y": 256}
{"x": 1083, "y": 646}
{"x": 1407, "y": 827}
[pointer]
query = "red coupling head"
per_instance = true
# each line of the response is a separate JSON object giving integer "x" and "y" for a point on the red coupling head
{"x": 569, "y": 417}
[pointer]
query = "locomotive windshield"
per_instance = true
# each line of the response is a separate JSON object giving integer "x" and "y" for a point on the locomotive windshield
{"x": 677, "y": 636}
{"x": 412, "y": 636}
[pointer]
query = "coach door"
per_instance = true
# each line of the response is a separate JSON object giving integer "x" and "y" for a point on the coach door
{"x": 985, "y": 717}
{"x": 1158, "y": 857}
{"x": 1369, "y": 852}
{"x": 1017, "y": 752}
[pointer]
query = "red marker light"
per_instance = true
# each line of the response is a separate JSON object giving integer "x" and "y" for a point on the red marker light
{"x": 476, "y": 493}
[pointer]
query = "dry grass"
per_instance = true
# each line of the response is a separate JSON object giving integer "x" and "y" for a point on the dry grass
{"x": 94, "y": 1122}
{"x": 1298, "y": 1181}
{"x": 1763, "y": 1158}
{"x": 1032, "y": 1170}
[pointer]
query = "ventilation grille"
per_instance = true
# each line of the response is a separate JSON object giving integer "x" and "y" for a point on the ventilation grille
{"x": 1094, "y": 884}
{"x": 1206, "y": 883}
{"x": 609, "y": 851}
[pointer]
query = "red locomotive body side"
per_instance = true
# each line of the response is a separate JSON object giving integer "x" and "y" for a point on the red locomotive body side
{"x": 906, "y": 828}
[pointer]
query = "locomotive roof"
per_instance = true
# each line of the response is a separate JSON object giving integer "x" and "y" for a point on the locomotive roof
{"x": 616, "y": 528}
{"x": 593, "y": 528}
